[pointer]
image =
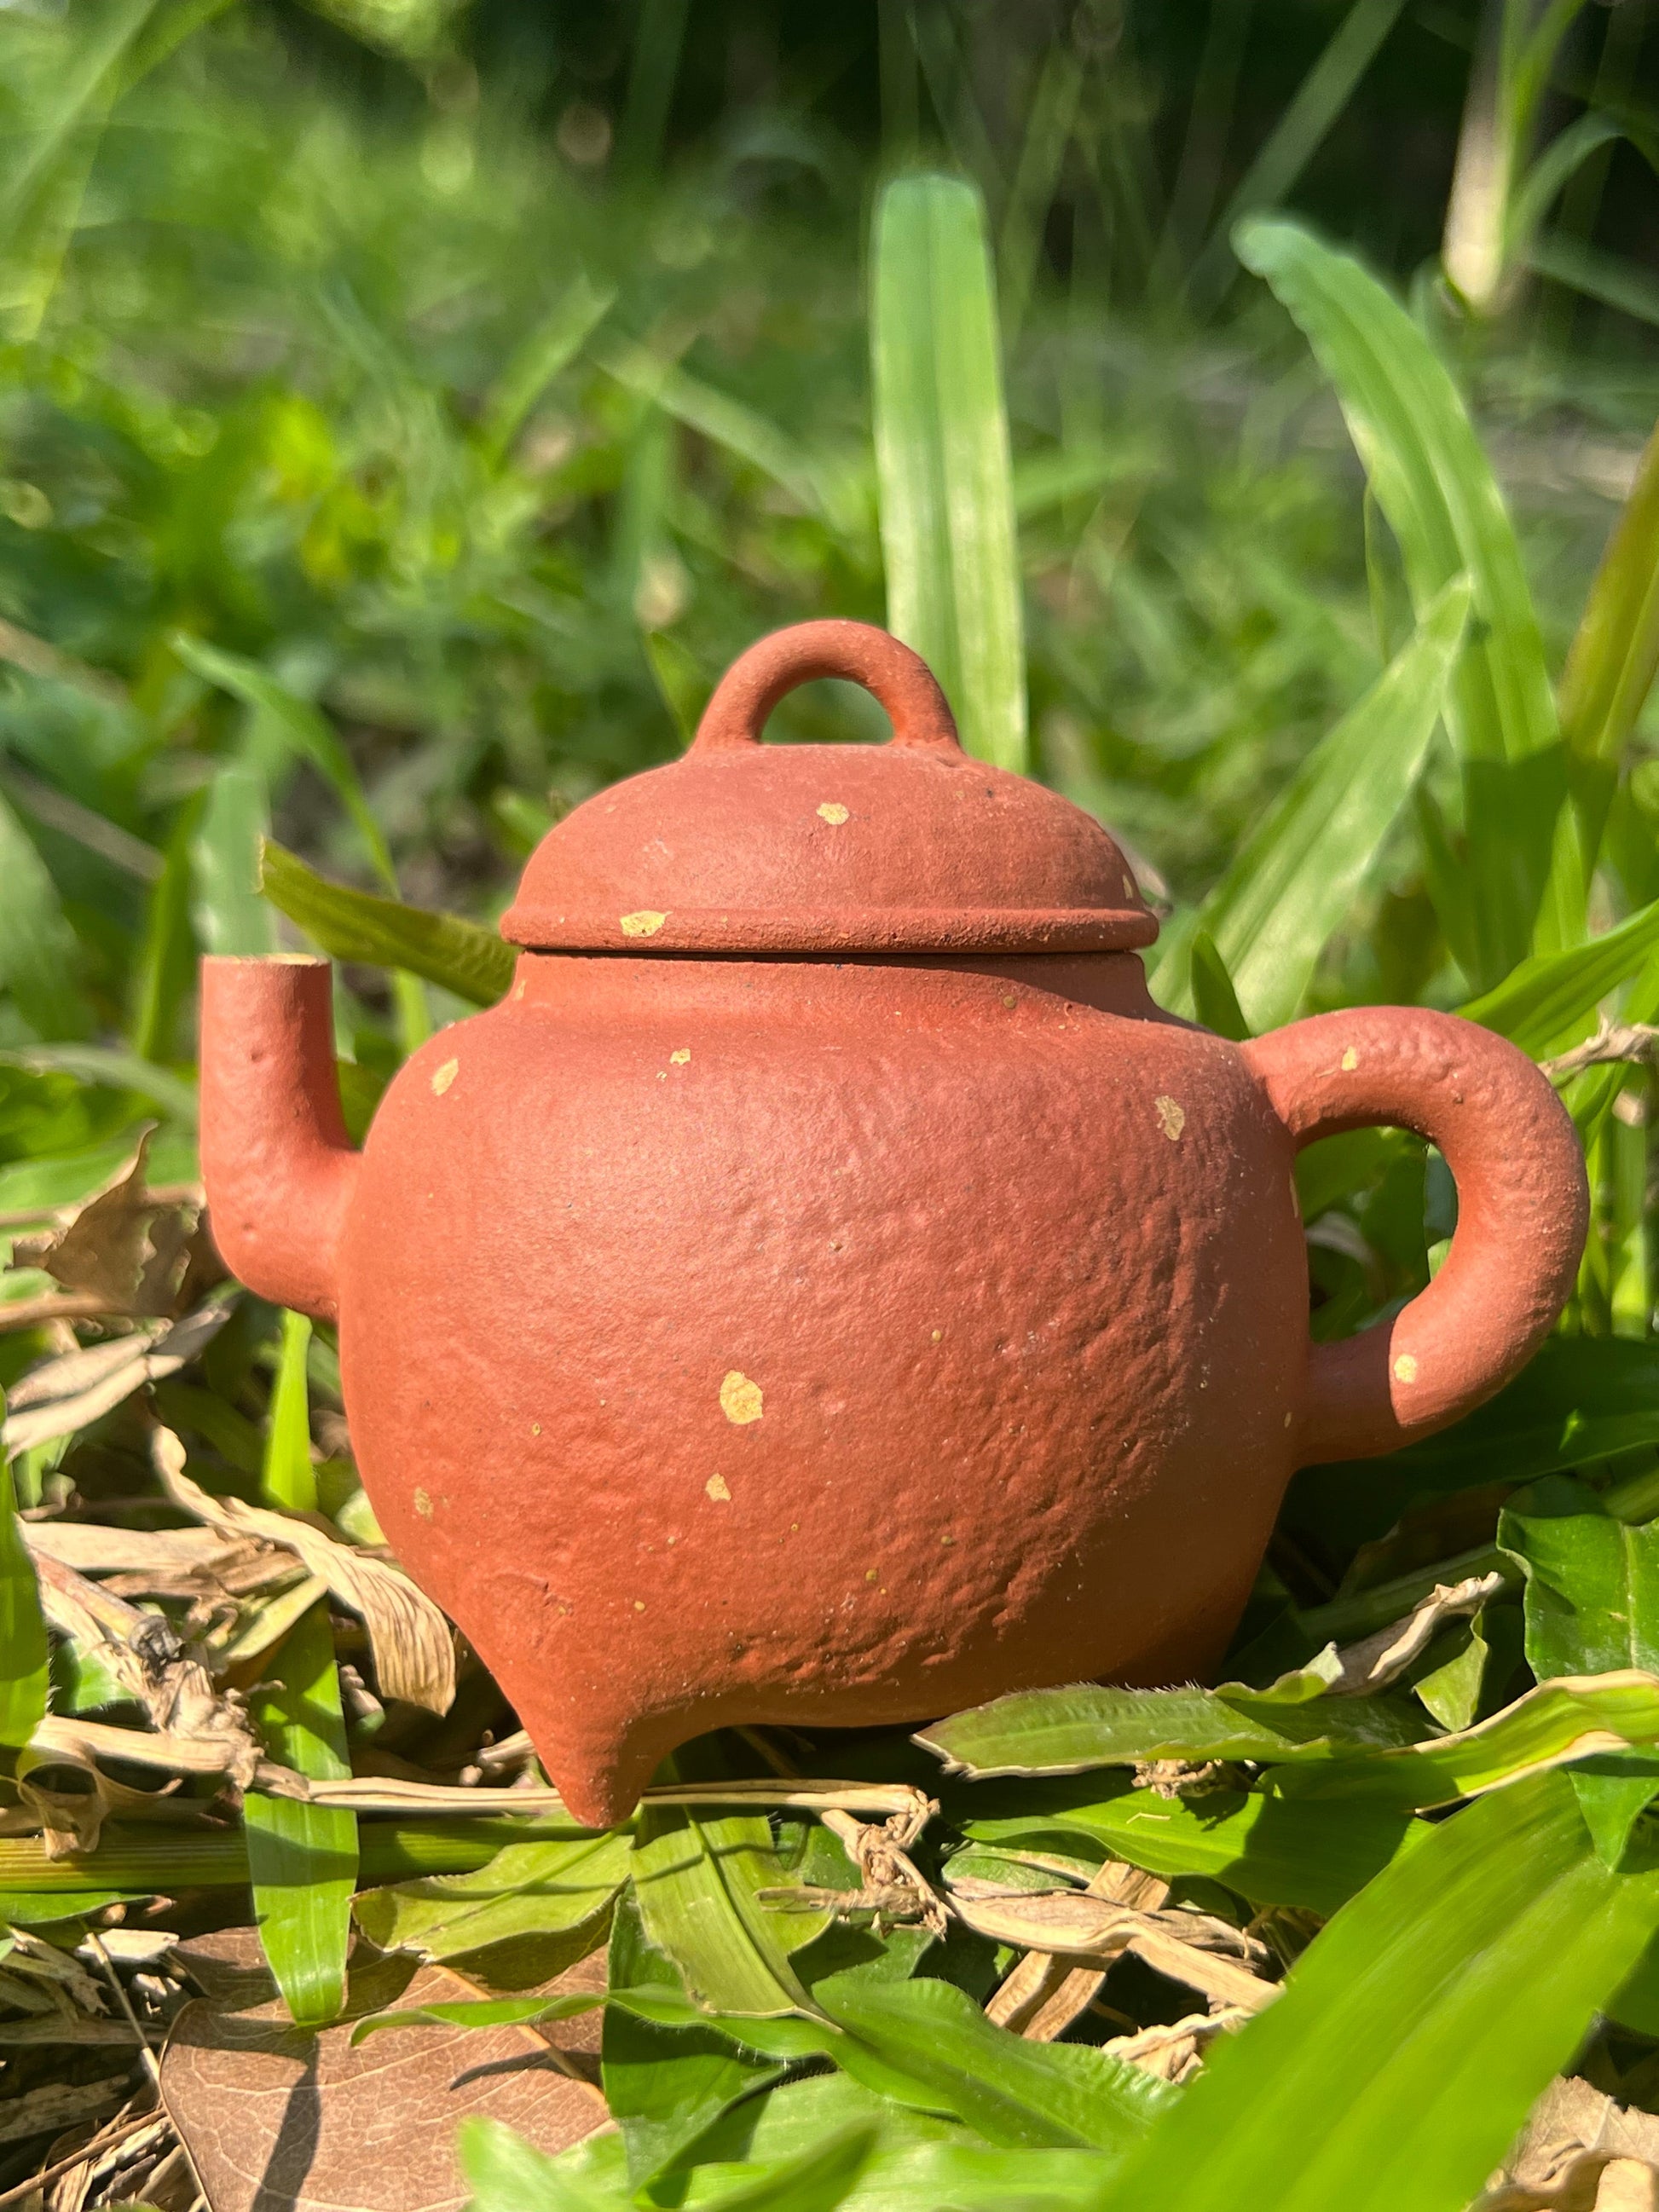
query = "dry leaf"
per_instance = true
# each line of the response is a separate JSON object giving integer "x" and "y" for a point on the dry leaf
{"x": 1575, "y": 2141}
{"x": 125, "y": 1247}
{"x": 67, "y": 1393}
{"x": 414, "y": 1653}
{"x": 288, "y": 2120}
{"x": 1380, "y": 1659}
{"x": 1189, "y": 1947}
{"x": 58, "y": 2106}
{"x": 1176, "y": 2052}
{"x": 145, "y": 1654}
{"x": 91, "y": 1548}
{"x": 1046, "y": 1992}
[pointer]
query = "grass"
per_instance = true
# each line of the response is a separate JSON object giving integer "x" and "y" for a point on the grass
{"x": 376, "y": 489}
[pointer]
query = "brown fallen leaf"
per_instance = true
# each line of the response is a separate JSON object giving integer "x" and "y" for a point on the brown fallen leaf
{"x": 1176, "y": 2052}
{"x": 59, "y": 2105}
{"x": 1379, "y": 1660}
{"x": 107, "y": 1251}
{"x": 414, "y": 1652}
{"x": 1580, "y": 2151}
{"x": 275, "y": 2117}
{"x": 92, "y": 1547}
{"x": 1189, "y": 1947}
{"x": 77, "y": 1388}
{"x": 1047, "y": 1991}
{"x": 147, "y": 1658}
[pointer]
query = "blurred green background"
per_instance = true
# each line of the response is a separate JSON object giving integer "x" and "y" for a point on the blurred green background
{"x": 485, "y": 377}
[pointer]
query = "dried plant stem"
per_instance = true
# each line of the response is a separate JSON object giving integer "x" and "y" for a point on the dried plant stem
{"x": 118, "y": 2131}
{"x": 1637, "y": 1042}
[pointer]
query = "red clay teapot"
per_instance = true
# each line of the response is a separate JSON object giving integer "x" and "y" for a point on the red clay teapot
{"x": 827, "y": 1289}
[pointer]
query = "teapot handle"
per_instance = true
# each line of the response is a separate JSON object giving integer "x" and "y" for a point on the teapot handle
{"x": 857, "y": 652}
{"x": 1523, "y": 1208}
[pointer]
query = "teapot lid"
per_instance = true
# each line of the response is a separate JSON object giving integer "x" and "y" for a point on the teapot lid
{"x": 911, "y": 846}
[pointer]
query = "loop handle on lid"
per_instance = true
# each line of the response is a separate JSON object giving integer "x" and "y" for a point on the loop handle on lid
{"x": 857, "y": 652}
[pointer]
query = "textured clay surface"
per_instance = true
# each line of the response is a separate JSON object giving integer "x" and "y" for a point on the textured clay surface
{"x": 847, "y": 1341}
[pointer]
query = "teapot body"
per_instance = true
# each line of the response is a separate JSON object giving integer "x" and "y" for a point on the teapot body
{"x": 821, "y": 1342}
{"x": 827, "y": 1289}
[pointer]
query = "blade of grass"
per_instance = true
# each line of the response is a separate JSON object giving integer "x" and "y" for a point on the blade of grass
{"x": 1615, "y": 652}
{"x": 1435, "y": 485}
{"x": 1215, "y": 999}
{"x": 697, "y": 1881}
{"x": 1415, "y": 2032}
{"x": 230, "y": 917}
{"x": 1549, "y": 1002}
{"x": 304, "y": 730}
{"x": 1592, "y": 1604}
{"x": 166, "y": 965}
{"x": 1295, "y": 138}
{"x": 23, "y": 1670}
{"x": 1610, "y": 278}
{"x": 302, "y": 1859}
{"x": 1294, "y": 880}
{"x": 460, "y": 956}
{"x": 947, "y": 518}
{"x": 39, "y": 955}
{"x": 287, "y": 1478}
{"x": 550, "y": 348}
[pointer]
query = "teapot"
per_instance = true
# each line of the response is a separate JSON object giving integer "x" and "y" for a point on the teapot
{"x": 827, "y": 1289}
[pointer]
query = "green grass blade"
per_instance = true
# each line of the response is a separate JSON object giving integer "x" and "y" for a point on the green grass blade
{"x": 39, "y": 955}
{"x": 302, "y": 1859}
{"x": 1549, "y": 1002}
{"x": 1294, "y": 880}
{"x": 665, "y": 2083}
{"x": 1273, "y": 1851}
{"x": 1553, "y": 1725}
{"x": 1415, "y": 2032}
{"x": 460, "y": 956}
{"x": 696, "y": 1883}
{"x": 1298, "y": 134}
{"x": 1612, "y": 663}
{"x": 1215, "y": 999}
{"x": 1014, "y": 2093}
{"x": 1549, "y": 176}
{"x": 717, "y": 416}
{"x": 1590, "y": 1099}
{"x": 165, "y": 973}
{"x": 287, "y": 1479}
{"x": 1435, "y": 485}
{"x": 529, "y": 1890}
{"x": 1035, "y": 1732}
{"x": 23, "y": 1676}
{"x": 947, "y": 514}
{"x": 229, "y": 915}
{"x": 550, "y": 348}
{"x": 302, "y": 728}
{"x": 1610, "y": 278}
{"x": 1592, "y": 1605}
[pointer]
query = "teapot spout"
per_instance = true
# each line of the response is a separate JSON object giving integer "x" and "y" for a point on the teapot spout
{"x": 277, "y": 1166}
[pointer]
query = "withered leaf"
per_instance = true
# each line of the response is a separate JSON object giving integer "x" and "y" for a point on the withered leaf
{"x": 1560, "y": 2159}
{"x": 1189, "y": 1947}
{"x": 275, "y": 2117}
{"x": 413, "y": 1655}
{"x": 60, "y": 2104}
{"x": 124, "y": 1246}
{"x": 62, "y": 1396}
{"x": 147, "y": 1658}
{"x": 1046, "y": 1992}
